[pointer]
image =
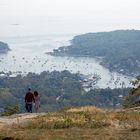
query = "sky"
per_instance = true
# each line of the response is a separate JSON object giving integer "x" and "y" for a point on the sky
{"x": 119, "y": 8}
{"x": 93, "y": 15}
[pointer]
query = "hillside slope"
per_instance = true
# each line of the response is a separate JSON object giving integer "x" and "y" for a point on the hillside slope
{"x": 86, "y": 123}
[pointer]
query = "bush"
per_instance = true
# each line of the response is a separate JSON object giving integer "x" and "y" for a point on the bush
{"x": 10, "y": 110}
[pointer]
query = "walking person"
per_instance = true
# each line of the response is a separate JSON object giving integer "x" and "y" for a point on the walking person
{"x": 37, "y": 101}
{"x": 29, "y": 100}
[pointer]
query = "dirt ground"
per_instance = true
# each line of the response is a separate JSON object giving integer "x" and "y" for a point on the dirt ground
{"x": 17, "y": 118}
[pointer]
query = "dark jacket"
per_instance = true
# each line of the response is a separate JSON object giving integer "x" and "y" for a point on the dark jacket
{"x": 29, "y": 97}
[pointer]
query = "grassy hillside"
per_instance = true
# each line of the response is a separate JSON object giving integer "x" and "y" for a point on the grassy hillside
{"x": 82, "y": 123}
{"x": 119, "y": 49}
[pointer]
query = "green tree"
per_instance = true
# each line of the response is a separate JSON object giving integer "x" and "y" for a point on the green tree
{"x": 133, "y": 98}
{"x": 10, "y": 110}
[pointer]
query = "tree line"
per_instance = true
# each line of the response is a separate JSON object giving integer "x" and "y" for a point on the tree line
{"x": 57, "y": 90}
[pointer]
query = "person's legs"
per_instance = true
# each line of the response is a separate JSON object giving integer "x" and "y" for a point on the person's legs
{"x": 27, "y": 107}
{"x": 30, "y": 108}
{"x": 36, "y": 107}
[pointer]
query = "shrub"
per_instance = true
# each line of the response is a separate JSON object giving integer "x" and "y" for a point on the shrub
{"x": 10, "y": 110}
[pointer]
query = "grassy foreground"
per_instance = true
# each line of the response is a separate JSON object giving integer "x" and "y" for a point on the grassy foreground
{"x": 82, "y": 123}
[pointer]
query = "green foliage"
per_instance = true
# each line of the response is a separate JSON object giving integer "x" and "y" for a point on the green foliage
{"x": 57, "y": 90}
{"x": 10, "y": 110}
{"x": 6, "y": 97}
{"x": 136, "y": 82}
{"x": 133, "y": 98}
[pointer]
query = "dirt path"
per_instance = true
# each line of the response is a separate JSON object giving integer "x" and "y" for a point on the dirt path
{"x": 17, "y": 118}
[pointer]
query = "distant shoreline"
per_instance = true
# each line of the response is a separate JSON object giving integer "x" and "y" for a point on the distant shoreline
{"x": 4, "y": 48}
{"x": 118, "y": 50}
{"x": 99, "y": 59}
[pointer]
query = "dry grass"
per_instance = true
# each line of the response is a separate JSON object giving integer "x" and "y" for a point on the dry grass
{"x": 83, "y": 123}
{"x": 91, "y": 109}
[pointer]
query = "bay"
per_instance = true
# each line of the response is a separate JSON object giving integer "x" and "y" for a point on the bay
{"x": 28, "y": 54}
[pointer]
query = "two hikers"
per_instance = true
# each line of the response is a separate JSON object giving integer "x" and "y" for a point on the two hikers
{"x": 31, "y": 98}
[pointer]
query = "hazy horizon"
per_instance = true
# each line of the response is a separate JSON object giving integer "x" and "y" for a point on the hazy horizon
{"x": 49, "y": 17}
